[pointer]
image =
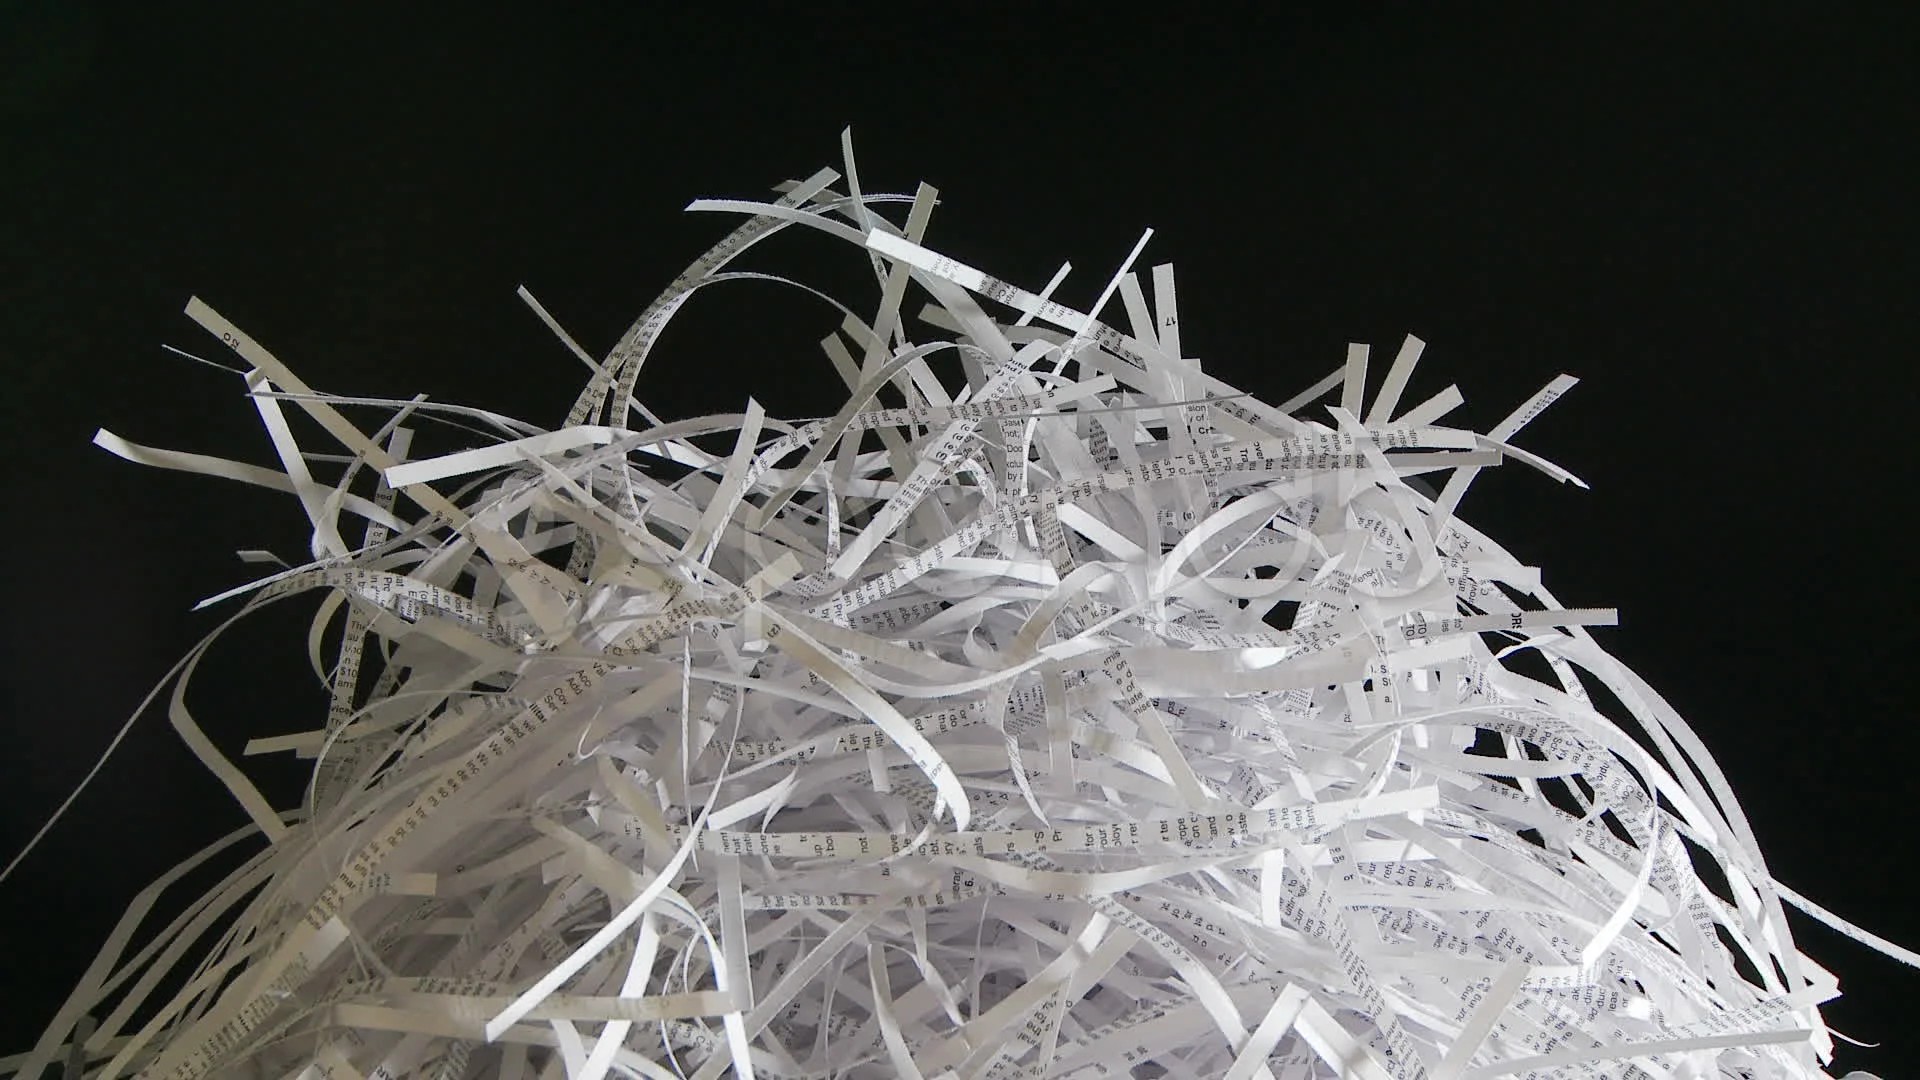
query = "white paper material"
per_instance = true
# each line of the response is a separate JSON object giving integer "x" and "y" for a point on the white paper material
{"x": 951, "y": 736}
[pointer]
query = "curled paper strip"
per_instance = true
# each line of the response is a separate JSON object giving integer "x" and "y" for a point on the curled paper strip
{"x": 1053, "y": 709}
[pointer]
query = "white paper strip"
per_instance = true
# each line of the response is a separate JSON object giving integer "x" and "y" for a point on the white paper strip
{"x": 1103, "y": 721}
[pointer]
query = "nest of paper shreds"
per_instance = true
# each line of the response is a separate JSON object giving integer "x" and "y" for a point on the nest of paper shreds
{"x": 1052, "y": 709}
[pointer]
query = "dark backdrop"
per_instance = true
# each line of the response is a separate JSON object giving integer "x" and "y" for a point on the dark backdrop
{"x": 1710, "y": 220}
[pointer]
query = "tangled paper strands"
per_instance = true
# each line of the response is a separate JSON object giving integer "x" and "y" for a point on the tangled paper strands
{"x": 1053, "y": 709}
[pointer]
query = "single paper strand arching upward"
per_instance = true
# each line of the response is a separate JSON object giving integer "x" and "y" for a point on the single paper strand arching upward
{"x": 1053, "y": 709}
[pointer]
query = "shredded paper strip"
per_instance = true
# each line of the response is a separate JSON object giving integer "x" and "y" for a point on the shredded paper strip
{"x": 1053, "y": 709}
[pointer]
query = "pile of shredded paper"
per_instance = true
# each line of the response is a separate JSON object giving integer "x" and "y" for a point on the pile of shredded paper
{"x": 1053, "y": 709}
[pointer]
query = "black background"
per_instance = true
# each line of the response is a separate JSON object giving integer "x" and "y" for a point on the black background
{"x": 1710, "y": 219}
